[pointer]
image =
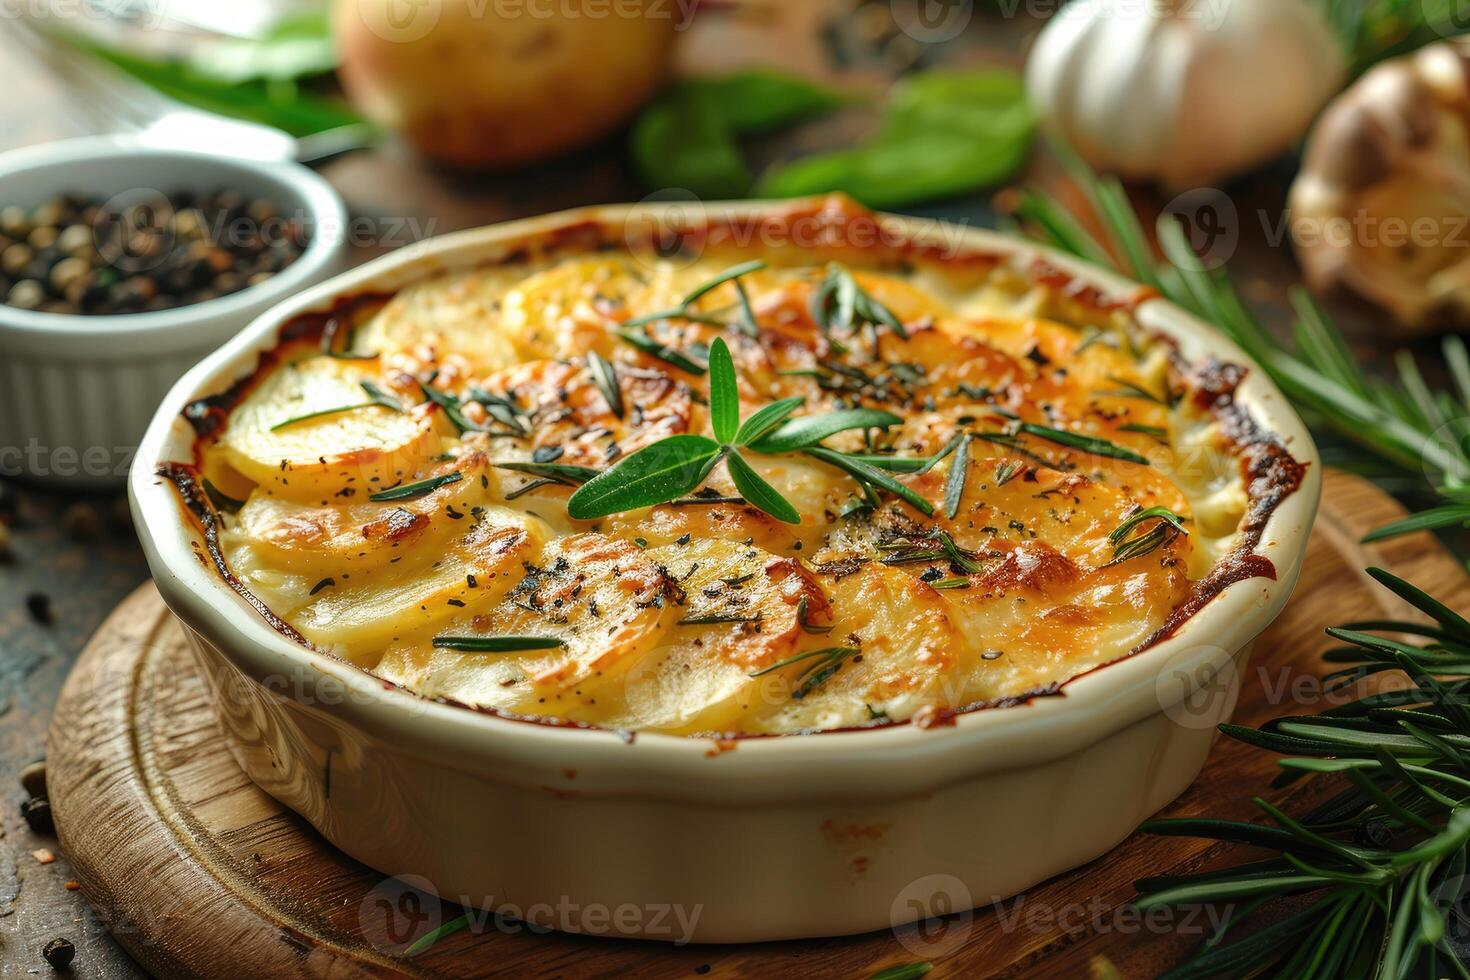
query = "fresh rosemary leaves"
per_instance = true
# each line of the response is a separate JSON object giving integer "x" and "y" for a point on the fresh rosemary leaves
{"x": 673, "y": 467}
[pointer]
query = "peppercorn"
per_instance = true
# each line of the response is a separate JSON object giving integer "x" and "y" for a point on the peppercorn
{"x": 59, "y": 953}
{"x": 38, "y": 604}
{"x": 15, "y": 258}
{"x": 33, "y": 778}
{"x": 37, "y": 813}
{"x": 72, "y": 256}
{"x": 26, "y": 295}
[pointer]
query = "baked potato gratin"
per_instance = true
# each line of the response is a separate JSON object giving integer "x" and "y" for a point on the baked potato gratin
{"x": 731, "y": 489}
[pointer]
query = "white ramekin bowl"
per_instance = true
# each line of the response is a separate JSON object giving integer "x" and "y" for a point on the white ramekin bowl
{"x": 76, "y": 392}
{"x": 759, "y": 839}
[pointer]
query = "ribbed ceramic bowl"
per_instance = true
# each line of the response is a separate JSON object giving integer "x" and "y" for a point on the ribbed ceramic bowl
{"x": 76, "y": 392}
{"x": 766, "y": 838}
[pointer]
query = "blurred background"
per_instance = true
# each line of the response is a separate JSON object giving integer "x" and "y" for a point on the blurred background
{"x": 1310, "y": 158}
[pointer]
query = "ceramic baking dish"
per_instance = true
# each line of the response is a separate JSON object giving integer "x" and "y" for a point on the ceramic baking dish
{"x": 753, "y": 839}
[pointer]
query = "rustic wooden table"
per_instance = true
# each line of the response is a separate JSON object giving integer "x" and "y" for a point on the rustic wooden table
{"x": 85, "y": 575}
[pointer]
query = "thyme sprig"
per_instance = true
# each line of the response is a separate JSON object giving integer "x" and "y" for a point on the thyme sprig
{"x": 1372, "y": 881}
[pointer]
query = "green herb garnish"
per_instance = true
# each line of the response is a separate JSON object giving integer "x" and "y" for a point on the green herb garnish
{"x": 411, "y": 490}
{"x": 497, "y": 644}
{"x": 806, "y": 625}
{"x": 1170, "y": 525}
{"x": 685, "y": 310}
{"x": 222, "y": 502}
{"x": 377, "y": 398}
{"x": 954, "y": 486}
{"x": 605, "y": 376}
{"x": 824, "y": 663}
{"x": 870, "y": 477}
{"x": 839, "y": 303}
{"x": 1088, "y": 444}
{"x": 564, "y": 473}
{"x": 664, "y": 353}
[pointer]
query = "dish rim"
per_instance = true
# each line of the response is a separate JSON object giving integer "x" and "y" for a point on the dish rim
{"x": 1092, "y": 704}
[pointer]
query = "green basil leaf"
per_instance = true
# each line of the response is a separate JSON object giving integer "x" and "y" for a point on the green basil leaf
{"x": 766, "y": 418}
{"x": 724, "y": 395}
{"x": 654, "y": 474}
{"x": 942, "y": 133}
{"x": 687, "y": 137}
{"x": 299, "y": 113}
{"x": 757, "y": 491}
{"x": 811, "y": 429}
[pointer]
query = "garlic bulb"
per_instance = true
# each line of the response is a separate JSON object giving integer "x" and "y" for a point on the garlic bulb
{"x": 1183, "y": 91}
{"x": 1381, "y": 207}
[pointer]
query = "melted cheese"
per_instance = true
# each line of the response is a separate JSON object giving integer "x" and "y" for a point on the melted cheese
{"x": 678, "y": 618}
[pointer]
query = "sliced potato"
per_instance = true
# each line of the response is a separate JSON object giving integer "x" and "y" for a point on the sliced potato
{"x": 456, "y": 315}
{"x": 352, "y": 450}
{"x": 905, "y": 654}
{"x": 603, "y": 599}
{"x": 376, "y": 612}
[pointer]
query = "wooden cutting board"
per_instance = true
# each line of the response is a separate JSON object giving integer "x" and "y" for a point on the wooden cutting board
{"x": 198, "y": 873}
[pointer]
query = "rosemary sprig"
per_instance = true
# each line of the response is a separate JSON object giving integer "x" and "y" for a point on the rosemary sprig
{"x": 806, "y": 624}
{"x": 839, "y": 303}
{"x": 667, "y": 470}
{"x": 409, "y": 491}
{"x": 1372, "y": 882}
{"x": 820, "y": 665}
{"x": 662, "y": 352}
{"x": 564, "y": 473}
{"x": 954, "y": 485}
{"x": 1169, "y": 526}
{"x": 685, "y": 310}
{"x": 605, "y": 376}
{"x": 1415, "y": 429}
{"x": 1076, "y": 440}
{"x": 377, "y": 398}
{"x": 497, "y": 644}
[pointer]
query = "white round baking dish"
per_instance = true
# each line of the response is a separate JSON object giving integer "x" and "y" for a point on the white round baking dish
{"x": 76, "y": 392}
{"x": 759, "y": 839}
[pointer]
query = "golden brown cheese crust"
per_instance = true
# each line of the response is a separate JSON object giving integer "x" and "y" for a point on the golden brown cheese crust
{"x": 707, "y": 615}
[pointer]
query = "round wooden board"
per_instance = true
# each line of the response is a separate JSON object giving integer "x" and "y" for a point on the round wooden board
{"x": 200, "y": 874}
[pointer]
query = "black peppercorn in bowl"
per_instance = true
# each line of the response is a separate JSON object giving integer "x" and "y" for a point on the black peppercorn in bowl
{"x": 121, "y": 265}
